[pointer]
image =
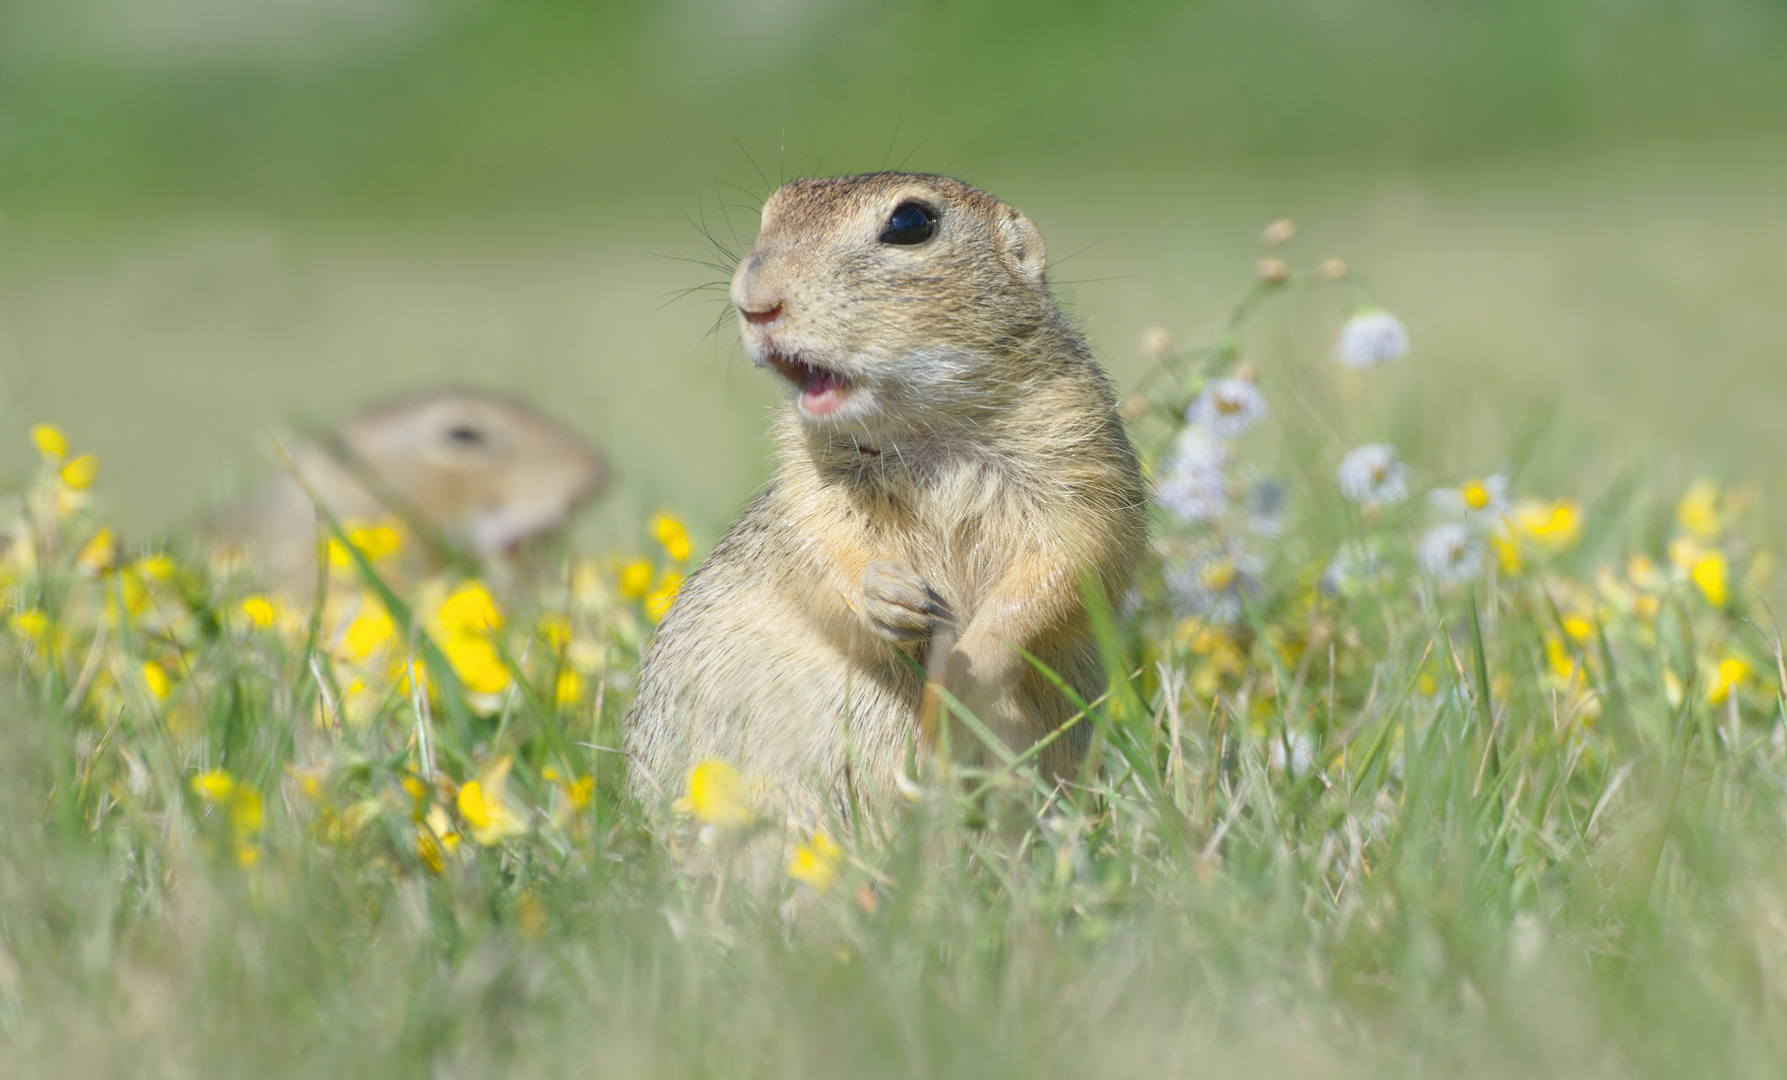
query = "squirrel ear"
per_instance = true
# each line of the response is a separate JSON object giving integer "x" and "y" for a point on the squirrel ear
{"x": 1021, "y": 245}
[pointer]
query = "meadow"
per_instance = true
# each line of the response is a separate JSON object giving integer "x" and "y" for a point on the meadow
{"x": 1396, "y": 776}
{"x": 1447, "y": 730}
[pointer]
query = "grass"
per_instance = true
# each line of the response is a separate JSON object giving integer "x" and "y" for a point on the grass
{"x": 1349, "y": 810}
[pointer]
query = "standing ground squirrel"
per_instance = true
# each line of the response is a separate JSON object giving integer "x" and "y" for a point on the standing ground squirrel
{"x": 951, "y": 464}
{"x": 486, "y": 471}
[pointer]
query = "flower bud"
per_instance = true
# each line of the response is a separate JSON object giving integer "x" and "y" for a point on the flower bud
{"x": 1279, "y": 231}
{"x": 1331, "y": 270}
{"x": 1272, "y": 270}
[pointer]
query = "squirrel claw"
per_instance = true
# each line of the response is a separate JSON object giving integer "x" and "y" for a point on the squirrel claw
{"x": 899, "y": 606}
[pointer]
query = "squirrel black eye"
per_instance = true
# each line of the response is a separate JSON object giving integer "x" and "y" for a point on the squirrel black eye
{"x": 909, "y": 224}
{"x": 465, "y": 435}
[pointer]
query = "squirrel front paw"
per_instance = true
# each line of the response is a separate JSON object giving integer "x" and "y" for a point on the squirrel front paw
{"x": 899, "y": 606}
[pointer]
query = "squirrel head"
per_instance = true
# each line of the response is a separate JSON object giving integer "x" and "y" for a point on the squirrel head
{"x": 489, "y": 470}
{"x": 891, "y": 301}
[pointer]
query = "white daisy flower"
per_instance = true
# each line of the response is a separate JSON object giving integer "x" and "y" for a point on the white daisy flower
{"x": 1193, "y": 488}
{"x": 1449, "y": 553}
{"x": 1480, "y": 502}
{"x": 1371, "y": 474}
{"x": 1370, "y": 338}
{"x": 1227, "y": 407}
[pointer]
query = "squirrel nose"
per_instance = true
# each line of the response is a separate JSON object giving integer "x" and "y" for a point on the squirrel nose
{"x": 764, "y": 316}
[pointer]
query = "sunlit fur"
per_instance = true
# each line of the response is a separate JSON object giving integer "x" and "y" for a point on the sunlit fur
{"x": 978, "y": 452}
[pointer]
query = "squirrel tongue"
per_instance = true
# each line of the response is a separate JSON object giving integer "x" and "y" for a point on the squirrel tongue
{"x": 823, "y": 393}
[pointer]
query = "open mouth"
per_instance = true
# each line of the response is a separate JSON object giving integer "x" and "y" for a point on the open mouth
{"x": 822, "y": 391}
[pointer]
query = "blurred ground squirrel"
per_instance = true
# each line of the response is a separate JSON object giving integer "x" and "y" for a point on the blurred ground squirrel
{"x": 951, "y": 464}
{"x": 484, "y": 472}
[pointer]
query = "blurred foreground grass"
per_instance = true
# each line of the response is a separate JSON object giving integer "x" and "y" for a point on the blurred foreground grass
{"x": 1483, "y": 781}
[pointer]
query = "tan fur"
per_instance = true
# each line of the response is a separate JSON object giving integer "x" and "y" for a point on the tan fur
{"x": 486, "y": 471}
{"x": 976, "y": 470}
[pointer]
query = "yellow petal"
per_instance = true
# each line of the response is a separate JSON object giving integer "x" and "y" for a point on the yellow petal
{"x": 368, "y": 632}
{"x": 815, "y": 862}
{"x": 80, "y": 473}
{"x": 215, "y": 786}
{"x": 476, "y": 662}
{"x": 260, "y": 611}
{"x": 155, "y": 677}
{"x": 717, "y": 796}
{"x": 50, "y": 442}
{"x": 657, "y": 605}
{"x": 469, "y": 609}
{"x": 671, "y": 533}
{"x": 1709, "y": 574}
{"x": 636, "y": 579}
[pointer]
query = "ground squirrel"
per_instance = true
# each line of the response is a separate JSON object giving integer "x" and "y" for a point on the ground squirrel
{"x": 485, "y": 472}
{"x": 951, "y": 463}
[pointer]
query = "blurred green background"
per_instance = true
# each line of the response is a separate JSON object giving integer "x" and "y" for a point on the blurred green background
{"x": 220, "y": 216}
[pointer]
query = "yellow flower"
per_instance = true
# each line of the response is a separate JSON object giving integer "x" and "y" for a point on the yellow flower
{"x": 1555, "y": 526}
{"x": 373, "y": 541}
{"x": 1698, "y": 510}
{"x": 717, "y": 796}
{"x": 135, "y": 593}
{"x": 581, "y": 791}
{"x": 469, "y": 610}
{"x": 99, "y": 553}
{"x": 672, "y": 535}
{"x": 260, "y": 611}
{"x": 248, "y": 856}
{"x": 483, "y": 806}
{"x": 31, "y": 623}
{"x": 657, "y": 605}
{"x": 1709, "y": 573}
{"x": 80, "y": 473}
{"x": 245, "y": 811}
{"x": 1560, "y": 659}
{"x": 477, "y": 662}
{"x": 368, "y": 632}
{"x": 1578, "y": 627}
{"x": 816, "y": 862}
{"x": 50, "y": 442}
{"x": 214, "y": 786}
{"x": 1475, "y": 494}
{"x": 435, "y": 839}
{"x": 1507, "y": 551}
{"x": 428, "y": 849}
{"x": 156, "y": 567}
{"x": 568, "y": 690}
{"x": 1730, "y": 675}
{"x": 155, "y": 677}
{"x": 636, "y": 579}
